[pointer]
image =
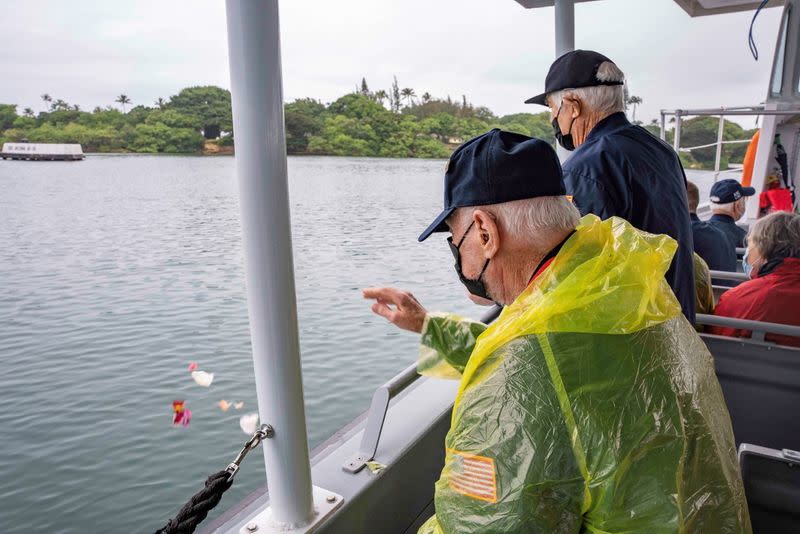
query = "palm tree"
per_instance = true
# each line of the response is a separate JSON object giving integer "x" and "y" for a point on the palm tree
{"x": 123, "y": 99}
{"x": 426, "y": 97}
{"x": 28, "y": 112}
{"x": 76, "y": 107}
{"x": 47, "y": 98}
{"x": 380, "y": 95}
{"x": 635, "y": 101}
{"x": 161, "y": 103}
{"x": 59, "y": 105}
{"x": 409, "y": 94}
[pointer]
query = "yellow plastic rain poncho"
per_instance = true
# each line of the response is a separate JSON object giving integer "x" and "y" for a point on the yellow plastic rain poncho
{"x": 590, "y": 405}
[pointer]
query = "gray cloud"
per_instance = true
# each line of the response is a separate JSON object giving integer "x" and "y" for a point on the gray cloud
{"x": 495, "y": 52}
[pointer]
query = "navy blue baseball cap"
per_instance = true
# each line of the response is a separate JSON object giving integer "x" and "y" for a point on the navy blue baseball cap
{"x": 498, "y": 167}
{"x": 571, "y": 71}
{"x": 727, "y": 191}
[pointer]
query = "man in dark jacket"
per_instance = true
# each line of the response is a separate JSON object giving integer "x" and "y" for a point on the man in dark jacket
{"x": 728, "y": 203}
{"x": 617, "y": 168}
{"x": 710, "y": 242}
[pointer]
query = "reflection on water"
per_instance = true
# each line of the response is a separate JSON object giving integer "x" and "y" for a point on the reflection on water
{"x": 118, "y": 271}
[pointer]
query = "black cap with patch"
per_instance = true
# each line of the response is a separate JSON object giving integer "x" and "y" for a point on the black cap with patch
{"x": 571, "y": 71}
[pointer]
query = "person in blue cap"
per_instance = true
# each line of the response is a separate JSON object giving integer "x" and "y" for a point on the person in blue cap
{"x": 728, "y": 204}
{"x": 710, "y": 243}
{"x": 590, "y": 404}
{"x": 617, "y": 168}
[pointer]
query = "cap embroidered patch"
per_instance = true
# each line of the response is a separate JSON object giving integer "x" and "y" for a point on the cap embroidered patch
{"x": 473, "y": 476}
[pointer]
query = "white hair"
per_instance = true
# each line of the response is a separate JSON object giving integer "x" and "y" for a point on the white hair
{"x": 526, "y": 219}
{"x": 726, "y": 207}
{"x": 605, "y": 99}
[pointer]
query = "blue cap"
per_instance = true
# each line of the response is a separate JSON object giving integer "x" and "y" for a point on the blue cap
{"x": 727, "y": 191}
{"x": 498, "y": 167}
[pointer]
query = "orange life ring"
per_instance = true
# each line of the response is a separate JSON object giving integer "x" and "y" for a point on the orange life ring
{"x": 750, "y": 159}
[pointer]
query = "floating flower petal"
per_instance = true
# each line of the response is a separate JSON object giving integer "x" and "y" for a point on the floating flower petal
{"x": 248, "y": 423}
{"x": 224, "y": 405}
{"x": 202, "y": 378}
{"x": 238, "y": 405}
{"x": 181, "y": 415}
{"x": 192, "y": 366}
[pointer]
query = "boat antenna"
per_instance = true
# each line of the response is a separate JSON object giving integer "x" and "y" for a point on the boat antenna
{"x": 750, "y": 41}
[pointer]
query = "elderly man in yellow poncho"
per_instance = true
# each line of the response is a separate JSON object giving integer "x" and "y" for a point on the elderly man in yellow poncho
{"x": 590, "y": 404}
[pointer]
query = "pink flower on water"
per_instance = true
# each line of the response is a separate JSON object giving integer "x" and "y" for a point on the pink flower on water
{"x": 192, "y": 366}
{"x": 181, "y": 415}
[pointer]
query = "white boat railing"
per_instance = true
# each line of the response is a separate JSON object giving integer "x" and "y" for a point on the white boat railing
{"x": 721, "y": 112}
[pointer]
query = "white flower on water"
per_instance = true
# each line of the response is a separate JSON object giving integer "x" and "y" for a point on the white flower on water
{"x": 248, "y": 423}
{"x": 202, "y": 378}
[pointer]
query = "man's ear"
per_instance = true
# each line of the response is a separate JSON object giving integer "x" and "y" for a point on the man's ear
{"x": 574, "y": 106}
{"x": 488, "y": 232}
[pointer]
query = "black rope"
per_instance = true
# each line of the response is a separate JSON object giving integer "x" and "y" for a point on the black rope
{"x": 194, "y": 511}
{"x": 750, "y": 40}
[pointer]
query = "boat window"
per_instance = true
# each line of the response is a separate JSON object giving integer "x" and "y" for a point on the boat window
{"x": 780, "y": 58}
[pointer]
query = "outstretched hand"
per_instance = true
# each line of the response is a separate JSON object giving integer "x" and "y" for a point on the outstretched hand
{"x": 400, "y": 307}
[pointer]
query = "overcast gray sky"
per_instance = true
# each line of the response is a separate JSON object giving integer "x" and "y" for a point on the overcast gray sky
{"x": 494, "y": 51}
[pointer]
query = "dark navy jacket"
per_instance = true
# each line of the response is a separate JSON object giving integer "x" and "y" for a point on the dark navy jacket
{"x": 734, "y": 232}
{"x": 713, "y": 245}
{"x": 622, "y": 170}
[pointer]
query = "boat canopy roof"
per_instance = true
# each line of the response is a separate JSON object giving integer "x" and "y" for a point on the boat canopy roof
{"x": 695, "y": 8}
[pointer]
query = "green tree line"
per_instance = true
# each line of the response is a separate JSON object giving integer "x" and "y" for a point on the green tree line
{"x": 176, "y": 125}
{"x": 395, "y": 123}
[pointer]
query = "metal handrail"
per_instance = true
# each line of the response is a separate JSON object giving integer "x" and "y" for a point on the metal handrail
{"x": 729, "y": 275}
{"x": 744, "y": 111}
{"x": 751, "y": 111}
{"x": 709, "y": 145}
{"x": 758, "y": 328}
{"x": 380, "y": 405}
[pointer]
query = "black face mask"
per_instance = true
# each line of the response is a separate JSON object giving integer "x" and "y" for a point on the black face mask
{"x": 564, "y": 139}
{"x": 475, "y": 287}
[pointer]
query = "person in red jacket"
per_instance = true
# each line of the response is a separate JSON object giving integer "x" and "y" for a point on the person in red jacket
{"x": 772, "y": 295}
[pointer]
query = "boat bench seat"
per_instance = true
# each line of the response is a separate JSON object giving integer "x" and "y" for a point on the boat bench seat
{"x": 772, "y": 486}
{"x": 760, "y": 381}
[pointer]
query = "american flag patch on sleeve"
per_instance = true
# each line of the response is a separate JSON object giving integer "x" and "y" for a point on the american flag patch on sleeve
{"x": 472, "y": 475}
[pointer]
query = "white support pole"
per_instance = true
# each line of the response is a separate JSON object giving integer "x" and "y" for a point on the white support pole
{"x": 718, "y": 157}
{"x": 565, "y": 42}
{"x": 676, "y": 142}
{"x": 565, "y": 26}
{"x": 257, "y": 94}
{"x": 663, "y": 126}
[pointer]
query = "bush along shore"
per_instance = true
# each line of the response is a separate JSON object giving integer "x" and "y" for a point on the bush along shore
{"x": 394, "y": 123}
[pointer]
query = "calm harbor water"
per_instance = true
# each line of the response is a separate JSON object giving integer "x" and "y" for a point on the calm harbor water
{"x": 118, "y": 271}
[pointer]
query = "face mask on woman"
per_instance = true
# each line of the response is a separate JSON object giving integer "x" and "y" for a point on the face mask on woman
{"x": 749, "y": 268}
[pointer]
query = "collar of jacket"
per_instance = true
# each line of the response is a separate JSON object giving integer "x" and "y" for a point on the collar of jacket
{"x": 609, "y": 124}
{"x": 722, "y": 218}
{"x": 694, "y": 217}
{"x": 781, "y": 267}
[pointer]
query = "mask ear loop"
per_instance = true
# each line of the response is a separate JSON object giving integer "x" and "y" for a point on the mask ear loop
{"x": 558, "y": 114}
{"x": 463, "y": 237}
{"x": 571, "y": 124}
